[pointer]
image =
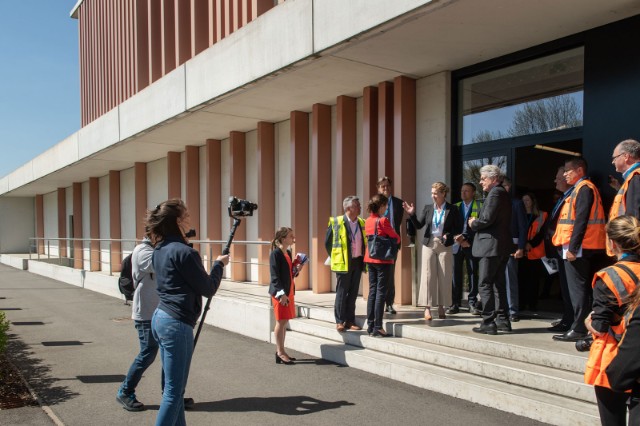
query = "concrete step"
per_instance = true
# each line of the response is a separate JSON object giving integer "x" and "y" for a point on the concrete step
{"x": 506, "y": 370}
{"x": 535, "y": 404}
{"x": 530, "y": 343}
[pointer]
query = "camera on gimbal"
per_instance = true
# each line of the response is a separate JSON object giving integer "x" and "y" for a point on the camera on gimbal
{"x": 584, "y": 345}
{"x": 240, "y": 207}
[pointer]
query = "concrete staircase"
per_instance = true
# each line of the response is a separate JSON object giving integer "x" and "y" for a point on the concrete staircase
{"x": 524, "y": 372}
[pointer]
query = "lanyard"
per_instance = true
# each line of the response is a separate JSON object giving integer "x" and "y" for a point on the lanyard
{"x": 437, "y": 217}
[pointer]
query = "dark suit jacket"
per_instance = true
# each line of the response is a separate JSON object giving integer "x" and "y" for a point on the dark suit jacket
{"x": 519, "y": 223}
{"x": 632, "y": 197}
{"x": 280, "y": 272}
{"x": 493, "y": 233}
{"x": 452, "y": 223}
{"x": 398, "y": 211}
{"x": 468, "y": 233}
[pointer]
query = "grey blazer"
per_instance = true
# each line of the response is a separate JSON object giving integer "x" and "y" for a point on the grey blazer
{"x": 493, "y": 226}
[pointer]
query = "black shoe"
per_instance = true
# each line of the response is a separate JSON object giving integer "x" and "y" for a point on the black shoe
{"x": 570, "y": 336}
{"x": 504, "y": 326}
{"x": 475, "y": 311}
{"x": 559, "y": 327}
{"x": 129, "y": 402}
{"x": 380, "y": 333}
{"x": 188, "y": 403}
{"x": 390, "y": 309}
{"x": 280, "y": 360}
{"x": 453, "y": 309}
{"x": 514, "y": 318}
{"x": 491, "y": 328}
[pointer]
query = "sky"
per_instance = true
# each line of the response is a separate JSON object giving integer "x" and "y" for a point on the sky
{"x": 39, "y": 82}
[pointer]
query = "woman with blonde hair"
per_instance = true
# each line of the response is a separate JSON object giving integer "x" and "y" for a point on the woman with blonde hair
{"x": 611, "y": 289}
{"x": 282, "y": 288}
{"x": 442, "y": 221}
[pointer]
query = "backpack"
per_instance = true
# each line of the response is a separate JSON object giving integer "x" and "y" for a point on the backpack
{"x": 125, "y": 282}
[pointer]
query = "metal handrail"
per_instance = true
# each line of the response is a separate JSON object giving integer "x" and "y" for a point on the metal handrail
{"x": 37, "y": 244}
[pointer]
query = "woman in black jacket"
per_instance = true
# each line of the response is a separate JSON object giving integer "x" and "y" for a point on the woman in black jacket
{"x": 182, "y": 283}
{"x": 443, "y": 221}
{"x": 282, "y": 288}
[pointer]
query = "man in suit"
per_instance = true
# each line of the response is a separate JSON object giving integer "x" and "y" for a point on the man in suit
{"x": 554, "y": 252}
{"x": 394, "y": 214}
{"x": 468, "y": 207}
{"x": 492, "y": 244}
{"x": 581, "y": 234}
{"x": 519, "y": 229}
{"x": 345, "y": 244}
{"x": 626, "y": 160}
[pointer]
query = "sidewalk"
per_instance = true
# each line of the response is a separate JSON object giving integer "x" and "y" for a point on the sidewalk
{"x": 75, "y": 345}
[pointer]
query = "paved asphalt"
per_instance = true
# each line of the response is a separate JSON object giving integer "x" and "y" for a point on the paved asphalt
{"x": 74, "y": 347}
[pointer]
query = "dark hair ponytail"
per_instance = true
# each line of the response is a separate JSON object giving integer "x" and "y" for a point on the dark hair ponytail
{"x": 163, "y": 220}
{"x": 376, "y": 202}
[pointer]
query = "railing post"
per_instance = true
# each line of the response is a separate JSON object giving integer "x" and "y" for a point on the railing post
{"x": 110, "y": 260}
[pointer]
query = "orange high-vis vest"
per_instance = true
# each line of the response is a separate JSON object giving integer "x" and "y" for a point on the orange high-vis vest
{"x": 538, "y": 251}
{"x": 619, "y": 206}
{"x": 621, "y": 279}
{"x": 594, "y": 237}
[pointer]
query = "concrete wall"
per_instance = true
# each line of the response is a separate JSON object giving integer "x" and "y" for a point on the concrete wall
{"x": 50, "y": 211}
{"x": 105, "y": 226}
{"x": 15, "y": 234}
{"x": 127, "y": 209}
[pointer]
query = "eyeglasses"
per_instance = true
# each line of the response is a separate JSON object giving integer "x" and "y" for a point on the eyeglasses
{"x": 568, "y": 170}
{"x": 616, "y": 156}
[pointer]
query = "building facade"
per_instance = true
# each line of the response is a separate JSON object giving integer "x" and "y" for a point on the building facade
{"x": 296, "y": 104}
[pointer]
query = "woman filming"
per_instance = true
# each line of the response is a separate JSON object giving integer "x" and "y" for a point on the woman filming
{"x": 282, "y": 288}
{"x": 611, "y": 289}
{"x": 182, "y": 282}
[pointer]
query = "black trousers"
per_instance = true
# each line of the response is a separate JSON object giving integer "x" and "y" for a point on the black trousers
{"x": 613, "y": 407}
{"x": 378, "y": 279}
{"x": 464, "y": 257}
{"x": 578, "y": 275}
{"x": 391, "y": 285}
{"x": 347, "y": 287}
{"x": 493, "y": 288}
{"x": 567, "y": 313}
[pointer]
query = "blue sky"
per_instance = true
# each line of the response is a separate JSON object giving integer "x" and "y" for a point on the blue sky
{"x": 39, "y": 83}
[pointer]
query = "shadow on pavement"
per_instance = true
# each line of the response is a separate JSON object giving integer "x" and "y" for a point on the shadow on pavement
{"x": 37, "y": 374}
{"x": 286, "y": 405}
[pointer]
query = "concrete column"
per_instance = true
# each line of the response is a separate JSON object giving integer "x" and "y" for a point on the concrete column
{"x": 214, "y": 194}
{"x": 345, "y": 148}
{"x": 62, "y": 221}
{"x": 320, "y": 195}
{"x": 140, "y": 177}
{"x": 385, "y": 129}
{"x": 238, "y": 174}
{"x": 404, "y": 144}
{"x": 300, "y": 188}
{"x": 94, "y": 223}
{"x": 40, "y": 222}
{"x": 193, "y": 189}
{"x": 213, "y": 21}
{"x": 115, "y": 230}
{"x": 77, "y": 226}
{"x": 266, "y": 196}
{"x": 174, "y": 175}
{"x": 369, "y": 142}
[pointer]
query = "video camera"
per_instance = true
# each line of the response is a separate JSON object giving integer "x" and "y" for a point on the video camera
{"x": 240, "y": 207}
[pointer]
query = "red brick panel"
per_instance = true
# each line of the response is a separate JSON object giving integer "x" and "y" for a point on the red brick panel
{"x": 193, "y": 188}
{"x": 237, "y": 149}
{"x": 94, "y": 224}
{"x": 174, "y": 175}
{"x": 385, "y": 130}
{"x": 77, "y": 226}
{"x": 369, "y": 142}
{"x": 266, "y": 196}
{"x": 299, "y": 147}
{"x": 62, "y": 221}
{"x": 345, "y": 148}
{"x": 115, "y": 230}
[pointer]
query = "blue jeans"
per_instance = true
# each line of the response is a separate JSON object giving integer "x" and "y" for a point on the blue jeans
{"x": 146, "y": 356}
{"x": 175, "y": 339}
{"x": 379, "y": 275}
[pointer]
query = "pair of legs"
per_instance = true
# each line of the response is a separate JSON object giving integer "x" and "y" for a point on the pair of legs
{"x": 378, "y": 279}
{"x": 146, "y": 356}
{"x": 175, "y": 340}
{"x": 280, "y": 331}
{"x": 513, "y": 297}
{"x": 613, "y": 405}
{"x": 464, "y": 257}
{"x": 347, "y": 287}
{"x": 436, "y": 277}
{"x": 391, "y": 286}
{"x": 493, "y": 290}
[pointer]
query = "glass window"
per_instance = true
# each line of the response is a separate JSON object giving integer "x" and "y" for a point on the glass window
{"x": 471, "y": 169}
{"x": 537, "y": 96}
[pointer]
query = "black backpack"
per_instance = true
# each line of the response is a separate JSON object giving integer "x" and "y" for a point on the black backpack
{"x": 125, "y": 282}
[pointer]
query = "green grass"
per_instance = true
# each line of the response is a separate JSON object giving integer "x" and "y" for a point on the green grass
{"x": 4, "y": 327}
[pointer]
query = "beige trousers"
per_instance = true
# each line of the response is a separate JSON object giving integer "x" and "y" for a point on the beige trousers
{"x": 437, "y": 275}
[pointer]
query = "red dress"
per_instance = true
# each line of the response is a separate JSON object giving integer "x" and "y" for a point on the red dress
{"x": 280, "y": 311}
